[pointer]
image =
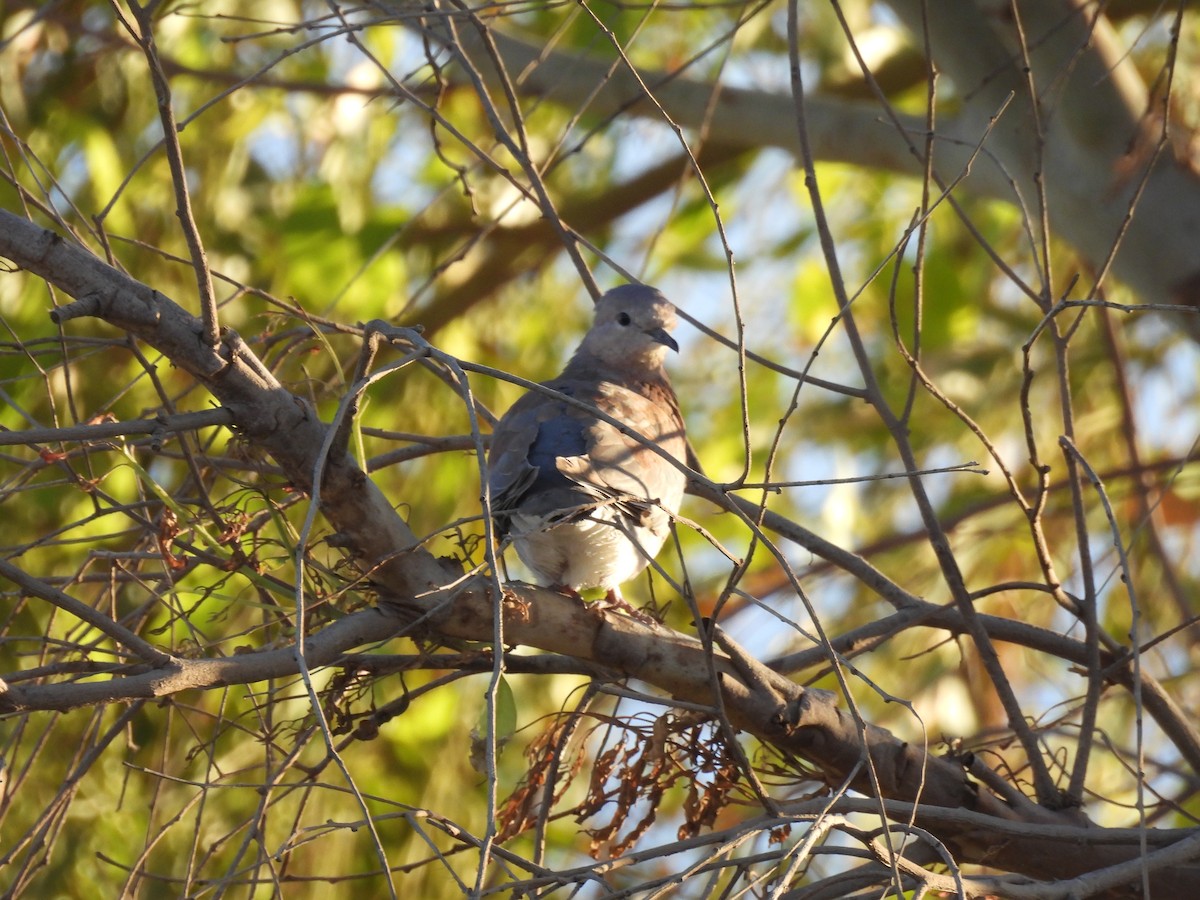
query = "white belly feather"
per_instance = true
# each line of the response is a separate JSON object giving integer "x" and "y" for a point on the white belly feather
{"x": 585, "y": 553}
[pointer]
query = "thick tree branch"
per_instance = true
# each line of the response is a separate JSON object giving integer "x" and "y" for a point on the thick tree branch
{"x": 1104, "y": 142}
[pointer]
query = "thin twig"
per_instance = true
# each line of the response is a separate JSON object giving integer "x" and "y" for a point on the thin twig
{"x": 144, "y": 35}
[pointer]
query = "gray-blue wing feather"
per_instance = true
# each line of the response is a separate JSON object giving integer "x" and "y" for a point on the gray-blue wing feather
{"x": 527, "y": 446}
{"x": 550, "y": 458}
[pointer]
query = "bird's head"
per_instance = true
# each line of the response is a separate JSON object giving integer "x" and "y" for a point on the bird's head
{"x": 632, "y": 328}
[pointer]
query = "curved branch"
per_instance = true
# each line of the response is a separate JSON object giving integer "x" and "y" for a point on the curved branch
{"x": 176, "y": 675}
{"x": 115, "y": 630}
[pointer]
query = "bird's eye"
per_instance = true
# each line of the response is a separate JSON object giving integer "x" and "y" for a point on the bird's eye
{"x": 623, "y": 319}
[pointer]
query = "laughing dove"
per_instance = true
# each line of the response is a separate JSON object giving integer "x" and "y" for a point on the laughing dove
{"x": 585, "y": 504}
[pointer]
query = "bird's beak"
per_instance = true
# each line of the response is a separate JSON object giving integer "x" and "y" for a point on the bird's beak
{"x": 660, "y": 335}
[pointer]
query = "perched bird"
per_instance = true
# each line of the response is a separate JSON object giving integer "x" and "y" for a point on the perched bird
{"x": 585, "y": 504}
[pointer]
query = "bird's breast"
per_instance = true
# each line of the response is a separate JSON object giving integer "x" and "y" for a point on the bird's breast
{"x": 603, "y": 549}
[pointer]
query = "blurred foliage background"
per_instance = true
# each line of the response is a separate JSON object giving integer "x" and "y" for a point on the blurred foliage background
{"x": 343, "y": 168}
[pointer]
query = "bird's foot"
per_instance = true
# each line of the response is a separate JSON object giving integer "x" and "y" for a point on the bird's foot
{"x": 614, "y": 600}
{"x": 567, "y": 591}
